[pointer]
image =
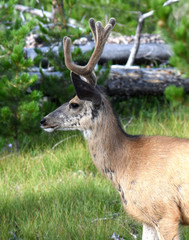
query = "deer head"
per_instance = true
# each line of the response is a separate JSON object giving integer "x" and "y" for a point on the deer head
{"x": 81, "y": 111}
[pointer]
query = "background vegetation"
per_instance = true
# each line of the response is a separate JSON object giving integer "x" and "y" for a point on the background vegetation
{"x": 22, "y": 101}
{"x": 57, "y": 193}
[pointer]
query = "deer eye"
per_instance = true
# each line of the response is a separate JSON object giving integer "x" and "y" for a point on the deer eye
{"x": 74, "y": 105}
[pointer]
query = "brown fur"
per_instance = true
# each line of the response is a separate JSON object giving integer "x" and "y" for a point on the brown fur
{"x": 151, "y": 173}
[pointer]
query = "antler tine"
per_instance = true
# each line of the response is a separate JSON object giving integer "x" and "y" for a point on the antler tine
{"x": 93, "y": 27}
{"x": 68, "y": 57}
{"x": 100, "y": 36}
{"x": 80, "y": 70}
{"x": 109, "y": 26}
{"x": 112, "y": 21}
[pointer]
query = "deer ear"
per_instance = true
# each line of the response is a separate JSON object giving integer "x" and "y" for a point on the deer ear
{"x": 85, "y": 91}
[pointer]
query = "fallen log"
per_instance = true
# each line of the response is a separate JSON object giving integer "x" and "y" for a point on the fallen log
{"x": 118, "y": 53}
{"x": 133, "y": 82}
{"x": 142, "y": 81}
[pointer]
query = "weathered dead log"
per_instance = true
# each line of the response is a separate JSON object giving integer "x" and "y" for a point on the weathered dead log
{"x": 133, "y": 82}
{"x": 142, "y": 81}
{"x": 119, "y": 53}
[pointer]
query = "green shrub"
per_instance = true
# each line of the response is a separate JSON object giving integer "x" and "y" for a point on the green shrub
{"x": 19, "y": 107}
{"x": 173, "y": 23}
{"x": 175, "y": 95}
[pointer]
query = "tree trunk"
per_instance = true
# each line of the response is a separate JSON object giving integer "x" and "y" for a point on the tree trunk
{"x": 142, "y": 81}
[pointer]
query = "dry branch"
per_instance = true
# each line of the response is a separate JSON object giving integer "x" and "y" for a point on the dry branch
{"x": 65, "y": 139}
{"x": 135, "y": 48}
{"x": 33, "y": 11}
{"x": 141, "y": 19}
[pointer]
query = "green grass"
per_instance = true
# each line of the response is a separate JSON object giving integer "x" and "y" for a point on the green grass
{"x": 58, "y": 194}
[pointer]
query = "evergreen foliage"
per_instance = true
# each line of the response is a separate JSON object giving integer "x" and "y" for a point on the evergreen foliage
{"x": 173, "y": 22}
{"x": 126, "y": 12}
{"x": 58, "y": 89}
{"x": 19, "y": 106}
{"x": 175, "y": 95}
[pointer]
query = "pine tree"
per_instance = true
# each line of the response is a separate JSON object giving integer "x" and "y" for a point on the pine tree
{"x": 173, "y": 22}
{"x": 19, "y": 106}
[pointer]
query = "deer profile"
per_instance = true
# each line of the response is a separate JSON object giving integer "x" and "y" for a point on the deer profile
{"x": 151, "y": 173}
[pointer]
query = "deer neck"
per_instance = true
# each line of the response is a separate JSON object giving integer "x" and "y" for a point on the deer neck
{"x": 106, "y": 142}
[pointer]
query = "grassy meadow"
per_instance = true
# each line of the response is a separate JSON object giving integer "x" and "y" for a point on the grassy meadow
{"x": 56, "y": 193}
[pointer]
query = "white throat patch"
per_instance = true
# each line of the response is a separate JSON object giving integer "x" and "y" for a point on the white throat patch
{"x": 87, "y": 134}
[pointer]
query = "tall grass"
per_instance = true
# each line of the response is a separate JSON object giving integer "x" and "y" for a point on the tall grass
{"x": 57, "y": 193}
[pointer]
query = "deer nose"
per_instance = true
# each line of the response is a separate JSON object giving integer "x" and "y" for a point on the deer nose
{"x": 43, "y": 121}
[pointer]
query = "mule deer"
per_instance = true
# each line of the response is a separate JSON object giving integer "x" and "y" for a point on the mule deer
{"x": 151, "y": 173}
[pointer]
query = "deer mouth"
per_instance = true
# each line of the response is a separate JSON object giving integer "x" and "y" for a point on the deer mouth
{"x": 50, "y": 128}
{"x": 46, "y": 127}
